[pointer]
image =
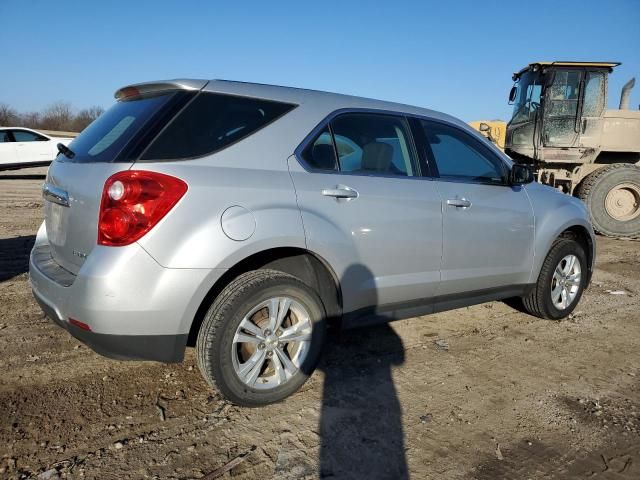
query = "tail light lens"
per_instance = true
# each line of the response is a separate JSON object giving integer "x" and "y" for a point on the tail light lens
{"x": 133, "y": 202}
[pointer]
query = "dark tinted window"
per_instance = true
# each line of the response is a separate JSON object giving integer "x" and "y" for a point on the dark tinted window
{"x": 460, "y": 156}
{"x": 25, "y": 136}
{"x": 103, "y": 140}
{"x": 212, "y": 122}
{"x": 5, "y": 137}
{"x": 374, "y": 144}
{"x": 320, "y": 153}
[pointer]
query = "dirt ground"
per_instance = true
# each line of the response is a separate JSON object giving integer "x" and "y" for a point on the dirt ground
{"x": 500, "y": 395}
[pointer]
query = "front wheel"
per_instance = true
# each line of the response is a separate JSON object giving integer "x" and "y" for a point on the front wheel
{"x": 261, "y": 338}
{"x": 562, "y": 279}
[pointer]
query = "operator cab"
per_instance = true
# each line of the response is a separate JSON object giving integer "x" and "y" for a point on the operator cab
{"x": 557, "y": 110}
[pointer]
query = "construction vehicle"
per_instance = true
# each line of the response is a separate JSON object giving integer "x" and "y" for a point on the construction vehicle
{"x": 561, "y": 126}
{"x": 494, "y": 130}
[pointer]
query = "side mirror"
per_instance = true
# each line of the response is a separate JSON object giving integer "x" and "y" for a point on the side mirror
{"x": 484, "y": 127}
{"x": 520, "y": 175}
{"x": 512, "y": 94}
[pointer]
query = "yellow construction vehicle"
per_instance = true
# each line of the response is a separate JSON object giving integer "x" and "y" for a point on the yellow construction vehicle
{"x": 494, "y": 130}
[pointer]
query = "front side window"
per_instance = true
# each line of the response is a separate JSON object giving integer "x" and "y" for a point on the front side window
{"x": 373, "y": 144}
{"x": 458, "y": 156}
{"x": 25, "y": 136}
{"x": 212, "y": 122}
{"x": 528, "y": 96}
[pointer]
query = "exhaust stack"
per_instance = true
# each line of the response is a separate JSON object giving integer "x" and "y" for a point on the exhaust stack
{"x": 625, "y": 96}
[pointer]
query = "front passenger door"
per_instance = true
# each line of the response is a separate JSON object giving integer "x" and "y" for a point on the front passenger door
{"x": 8, "y": 152}
{"x": 31, "y": 147}
{"x": 488, "y": 225}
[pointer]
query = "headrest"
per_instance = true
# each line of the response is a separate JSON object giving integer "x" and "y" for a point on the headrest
{"x": 377, "y": 156}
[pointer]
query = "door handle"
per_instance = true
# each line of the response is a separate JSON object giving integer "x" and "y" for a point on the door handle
{"x": 340, "y": 191}
{"x": 459, "y": 202}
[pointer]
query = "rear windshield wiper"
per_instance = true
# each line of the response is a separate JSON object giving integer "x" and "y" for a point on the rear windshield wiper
{"x": 66, "y": 151}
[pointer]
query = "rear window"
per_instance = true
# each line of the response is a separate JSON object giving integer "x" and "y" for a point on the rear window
{"x": 106, "y": 137}
{"x": 211, "y": 122}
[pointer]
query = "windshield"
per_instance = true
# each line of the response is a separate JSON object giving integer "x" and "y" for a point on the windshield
{"x": 527, "y": 97}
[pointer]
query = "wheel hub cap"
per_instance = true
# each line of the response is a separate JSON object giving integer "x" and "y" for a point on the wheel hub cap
{"x": 566, "y": 282}
{"x": 623, "y": 202}
{"x": 271, "y": 343}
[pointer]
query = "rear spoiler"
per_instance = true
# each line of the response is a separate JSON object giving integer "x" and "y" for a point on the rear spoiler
{"x": 160, "y": 86}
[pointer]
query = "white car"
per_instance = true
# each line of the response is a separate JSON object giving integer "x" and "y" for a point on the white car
{"x": 21, "y": 147}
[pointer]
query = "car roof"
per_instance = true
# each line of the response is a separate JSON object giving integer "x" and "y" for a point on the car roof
{"x": 301, "y": 96}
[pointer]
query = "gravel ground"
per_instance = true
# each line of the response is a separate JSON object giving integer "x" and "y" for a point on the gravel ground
{"x": 484, "y": 392}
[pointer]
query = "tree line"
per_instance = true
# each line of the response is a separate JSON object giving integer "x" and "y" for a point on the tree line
{"x": 58, "y": 116}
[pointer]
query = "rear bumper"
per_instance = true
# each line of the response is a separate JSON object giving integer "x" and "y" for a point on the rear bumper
{"x": 161, "y": 348}
{"x": 135, "y": 308}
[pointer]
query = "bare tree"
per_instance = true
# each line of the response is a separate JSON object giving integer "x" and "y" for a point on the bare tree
{"x": 58, "y": 116}
{"x": 85, "y": 117}
{"x": 8, "y": 116}
{"x": 29, "y": 119}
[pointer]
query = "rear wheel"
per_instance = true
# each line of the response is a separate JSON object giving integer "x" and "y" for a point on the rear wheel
{"x": 612, "y": 195}
{"x": 562, "y": 280}
{"x": 261, "y": 338}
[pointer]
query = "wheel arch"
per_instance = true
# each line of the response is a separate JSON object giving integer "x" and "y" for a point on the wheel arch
{"x": 574, "y": 230}
{"x": 580, "y": 234}
{"x": 309, "y": 267}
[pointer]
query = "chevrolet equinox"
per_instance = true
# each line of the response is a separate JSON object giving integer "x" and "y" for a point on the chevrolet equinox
{"x": 245, "y": 218}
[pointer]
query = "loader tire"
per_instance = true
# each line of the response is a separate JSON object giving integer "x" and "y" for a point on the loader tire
{"x": 612, "y": 196}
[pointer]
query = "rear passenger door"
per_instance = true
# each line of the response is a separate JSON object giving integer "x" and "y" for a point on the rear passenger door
{"x": 368, "y": 212}
{"x": 488, "y": 225}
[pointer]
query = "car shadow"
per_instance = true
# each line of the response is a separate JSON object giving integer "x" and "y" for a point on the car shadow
{"x": 361, "y": 433}
{"x": 14, "y": 256}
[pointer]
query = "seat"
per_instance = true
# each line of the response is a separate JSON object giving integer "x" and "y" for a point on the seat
{"x": 376, "y": 156}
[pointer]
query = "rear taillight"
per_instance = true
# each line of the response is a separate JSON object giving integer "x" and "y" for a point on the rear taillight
{"x": 133, "y": 202}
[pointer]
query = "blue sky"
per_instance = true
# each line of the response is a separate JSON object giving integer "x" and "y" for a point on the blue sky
{"x": 455, "y": 56}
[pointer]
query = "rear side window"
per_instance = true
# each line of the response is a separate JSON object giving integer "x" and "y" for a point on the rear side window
{"x": 365, "y": 143}
{"x": 211, "y": 122}
{"x": 320, "y": 153}
{"x": 371, "y": 143}
{"x": 105, "y": 138}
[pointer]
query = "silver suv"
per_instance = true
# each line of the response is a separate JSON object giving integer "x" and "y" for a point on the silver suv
{"x": 244, "y": 218}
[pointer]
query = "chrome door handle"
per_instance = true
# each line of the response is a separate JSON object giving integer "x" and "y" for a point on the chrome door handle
{"x": 459, "y": 202}
{"x": 340, "y": 192}
{"x": 55, "y": 195}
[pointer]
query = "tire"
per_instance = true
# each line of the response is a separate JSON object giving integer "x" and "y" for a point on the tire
{"x": 594, "y": 192}
{"x": 540, "y": 301}
{"x": 224, "y": 360}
